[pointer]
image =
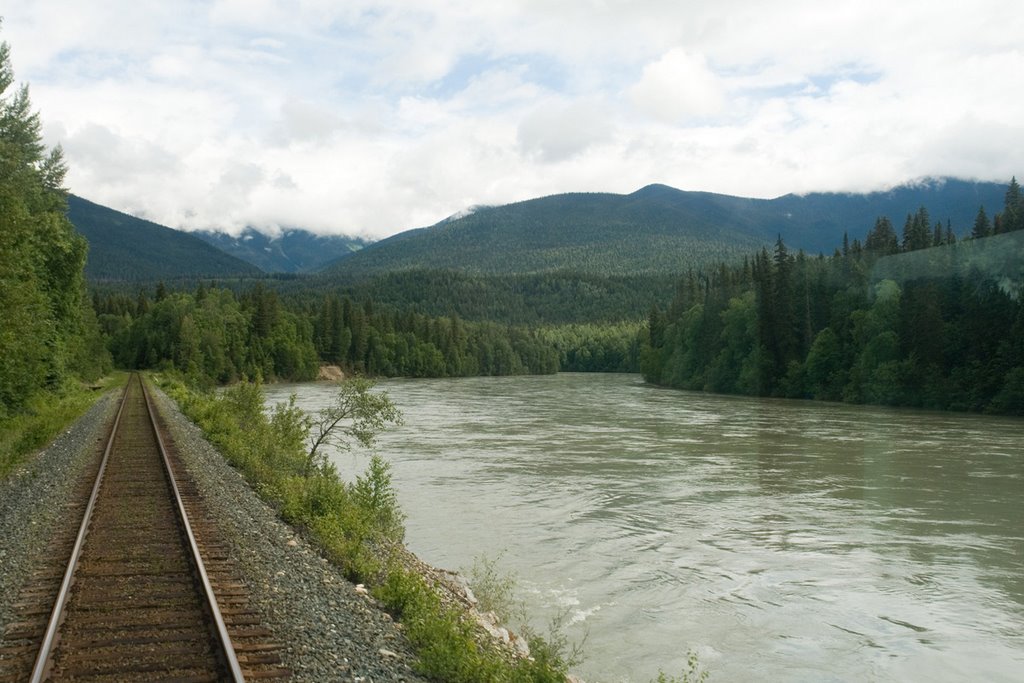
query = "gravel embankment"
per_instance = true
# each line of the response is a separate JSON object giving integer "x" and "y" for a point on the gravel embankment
{"x": 332, "y": 632}
{"x": 32, "y": 498}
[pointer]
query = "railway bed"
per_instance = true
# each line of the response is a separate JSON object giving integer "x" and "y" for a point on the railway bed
{"x": 150, "y": 593}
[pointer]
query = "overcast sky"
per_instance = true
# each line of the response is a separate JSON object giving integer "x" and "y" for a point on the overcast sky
{"x": 371, "y": 117}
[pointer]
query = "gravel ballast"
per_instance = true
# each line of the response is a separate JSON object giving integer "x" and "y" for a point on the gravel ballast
{"x": 32, "y": 498}
{"x": 329, "y": 630}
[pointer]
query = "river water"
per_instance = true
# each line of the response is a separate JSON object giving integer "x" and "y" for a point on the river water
{"x": 779, "y": 540}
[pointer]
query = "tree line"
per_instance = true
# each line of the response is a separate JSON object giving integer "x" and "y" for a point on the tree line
{"x": 218, "y": 335}
{"x": 919, "y": 319}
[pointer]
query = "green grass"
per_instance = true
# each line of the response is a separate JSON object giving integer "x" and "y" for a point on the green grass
{"x": 45, "y": 416}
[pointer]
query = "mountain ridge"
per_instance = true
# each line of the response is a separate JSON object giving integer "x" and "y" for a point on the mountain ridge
{"x": 294, "y": 250}
{"x": 125, "y": 248}
{"x": 656, "y": 229}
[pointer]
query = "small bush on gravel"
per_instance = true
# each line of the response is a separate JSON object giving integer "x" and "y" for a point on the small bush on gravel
{"x": 270, "y": 450}
{"x": 495, "y": 591}
{"x": 446, "y": 641}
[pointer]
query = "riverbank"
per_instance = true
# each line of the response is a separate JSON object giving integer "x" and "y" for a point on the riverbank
{"x": 358, "y": 528}
{"x": 333, "y": 629}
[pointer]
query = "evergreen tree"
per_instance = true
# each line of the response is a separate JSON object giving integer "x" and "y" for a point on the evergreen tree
{"x": 882, "y": 238}
{"x": 1013, "y": 208}
{"x": 944, "y": 338}
{"x": 917, "y": 232}
{"x": 982, "y": 226}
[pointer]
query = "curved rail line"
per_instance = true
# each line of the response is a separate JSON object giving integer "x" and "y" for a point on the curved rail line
{"x": 136, "y": 599}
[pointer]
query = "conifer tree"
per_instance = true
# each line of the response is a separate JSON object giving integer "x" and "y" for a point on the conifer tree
{"x": 982, "y": 226}
{"x": 882, "y": 238}
{"x": 42, "y": 290}
{"x": 1013, "y": 207}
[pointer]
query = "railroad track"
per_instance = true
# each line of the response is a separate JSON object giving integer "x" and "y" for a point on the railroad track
{"x": 148, "y": 593}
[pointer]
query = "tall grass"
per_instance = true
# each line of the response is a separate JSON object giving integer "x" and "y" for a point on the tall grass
{"x": 45, "y": 416}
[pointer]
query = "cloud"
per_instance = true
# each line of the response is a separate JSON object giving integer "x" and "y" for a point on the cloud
{"x": 105, "y": 157}
{"x": 304, "y": 121}
{"x": 678, "y": 87}
{"x": 554, "y": 133}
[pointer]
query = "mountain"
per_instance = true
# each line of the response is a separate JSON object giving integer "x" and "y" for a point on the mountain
{"x": 816, "y": 222}
{"x": 293, "y": 251}
{"x": 122, "y": 247}
{"x": 657, "y": 229}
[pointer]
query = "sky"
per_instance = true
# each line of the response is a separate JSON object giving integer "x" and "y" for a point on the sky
{"x": 369, "y": 117}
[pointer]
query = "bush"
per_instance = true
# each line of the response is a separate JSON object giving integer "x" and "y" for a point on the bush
{"x": 694, "y": 673}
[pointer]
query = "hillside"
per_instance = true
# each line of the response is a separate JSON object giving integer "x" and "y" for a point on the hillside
{"x": 656, "y": 229}
{"x": 122, "y": 247}
{"x": 293, "y": 251}
{"x": 649, "y": 231}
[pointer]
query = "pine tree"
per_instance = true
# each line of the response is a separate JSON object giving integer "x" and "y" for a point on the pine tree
{"x": 882, "y": 238}
{"x": 1013, "y": 208}
{"x": 917, "y": 232}
{"x": 982, "y": 226}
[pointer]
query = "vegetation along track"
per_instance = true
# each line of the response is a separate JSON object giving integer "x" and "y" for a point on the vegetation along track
{"x": 148, "y": 593}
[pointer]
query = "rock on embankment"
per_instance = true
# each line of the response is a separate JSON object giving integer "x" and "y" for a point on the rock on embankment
{"x": 330, "y": 372}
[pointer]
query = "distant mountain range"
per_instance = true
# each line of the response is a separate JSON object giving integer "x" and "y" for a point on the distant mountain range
{"x": 293, "y": 251}
{"x": 126, "y": 248}
{"x": 657, "y": 229}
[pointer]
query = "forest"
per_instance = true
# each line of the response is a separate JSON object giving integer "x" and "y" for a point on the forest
{"x": 214, "y": 335}
{"x": 919, "y": 319}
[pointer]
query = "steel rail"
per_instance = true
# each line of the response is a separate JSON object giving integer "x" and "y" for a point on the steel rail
{"x": 41, "y": 667}
{"x": 231, "y": 658}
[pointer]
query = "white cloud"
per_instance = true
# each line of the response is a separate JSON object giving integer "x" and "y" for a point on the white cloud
{"x": 677, "y": 87}
{"x": 554, "y": 133}
{"x": 373, "y": 116}
{"x": 304, "y": 121}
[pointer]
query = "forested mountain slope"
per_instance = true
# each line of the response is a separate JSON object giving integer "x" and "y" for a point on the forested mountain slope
{"x": 125, "y": 248}
{"x": 649, "y": 231}
{"x": 293, "y": 251}
{"x": 656, "y": 229}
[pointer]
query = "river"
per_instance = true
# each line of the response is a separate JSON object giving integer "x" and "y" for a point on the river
{"x": 779, "y": 540}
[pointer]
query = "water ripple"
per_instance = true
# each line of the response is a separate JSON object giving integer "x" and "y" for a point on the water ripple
{"x": 781, "y": 540}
